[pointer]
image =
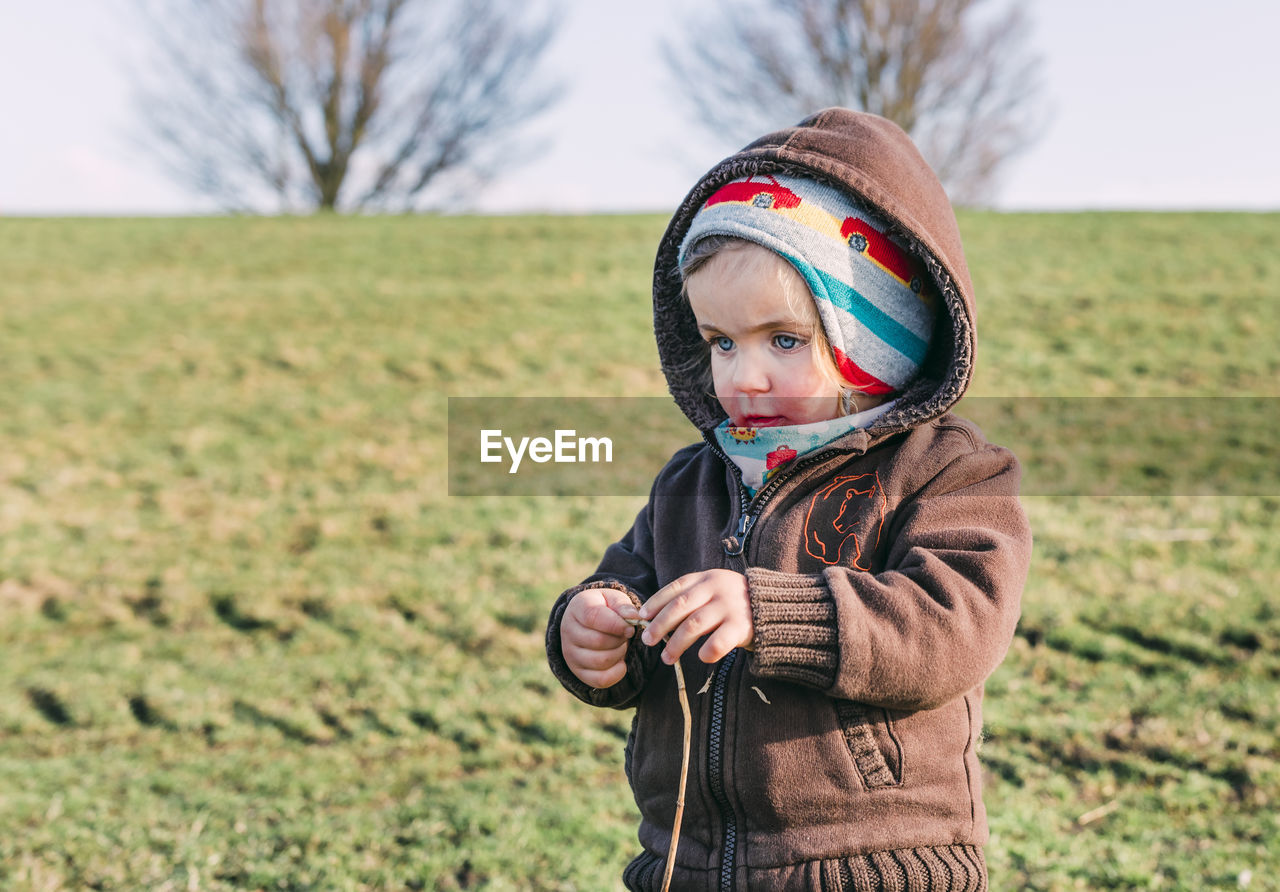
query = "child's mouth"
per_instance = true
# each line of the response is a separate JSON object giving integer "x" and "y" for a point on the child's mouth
{"x": 762, "y": 421}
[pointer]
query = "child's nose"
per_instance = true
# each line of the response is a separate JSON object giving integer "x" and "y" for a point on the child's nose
{"x": 750, "y": 377}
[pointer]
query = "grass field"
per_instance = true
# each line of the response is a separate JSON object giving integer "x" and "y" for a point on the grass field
{"x": 248, "y": 642}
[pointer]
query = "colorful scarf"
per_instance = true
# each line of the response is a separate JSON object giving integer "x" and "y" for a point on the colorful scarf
{"x": 762, "y": 452}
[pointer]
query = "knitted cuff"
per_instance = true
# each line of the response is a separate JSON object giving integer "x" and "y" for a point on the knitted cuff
{"x": 796, "y": 638}
{"x": 622, "y": 693}
{"x": 955, "y": 868}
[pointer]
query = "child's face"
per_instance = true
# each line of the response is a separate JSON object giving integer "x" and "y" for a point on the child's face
{"x": 761, "y": 354}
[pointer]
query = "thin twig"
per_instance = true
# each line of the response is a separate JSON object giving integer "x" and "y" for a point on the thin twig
{"x": 683, "y": 695}
{"x": 684, "y": 774}
{"x": 1098, "y": 813}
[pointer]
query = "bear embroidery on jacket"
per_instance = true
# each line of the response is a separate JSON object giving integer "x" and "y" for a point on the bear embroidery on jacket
{"x": 835, "y": 513}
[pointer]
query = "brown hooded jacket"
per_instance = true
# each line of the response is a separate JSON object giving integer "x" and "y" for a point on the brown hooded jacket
{"x": 884, "y": 573}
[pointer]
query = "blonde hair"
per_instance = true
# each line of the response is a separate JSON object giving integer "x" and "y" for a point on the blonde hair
{"x": 799, "y": 303}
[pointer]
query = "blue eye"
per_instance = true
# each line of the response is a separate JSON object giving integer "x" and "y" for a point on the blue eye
{"x": 723, "y": 344}
{"x": 786, "y": 342}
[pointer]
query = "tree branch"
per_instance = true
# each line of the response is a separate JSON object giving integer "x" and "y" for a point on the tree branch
{"x": 956, "y": 75}
{"x": 317, "y": 101}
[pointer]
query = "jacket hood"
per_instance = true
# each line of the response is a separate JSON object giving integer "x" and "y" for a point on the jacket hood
{"x": 875, "y": 161}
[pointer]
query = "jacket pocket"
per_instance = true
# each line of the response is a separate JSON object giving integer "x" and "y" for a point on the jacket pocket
{"x": 873, "y": 744}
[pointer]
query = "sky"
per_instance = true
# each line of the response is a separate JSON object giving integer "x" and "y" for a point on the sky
{"x": 1153, "y": 104}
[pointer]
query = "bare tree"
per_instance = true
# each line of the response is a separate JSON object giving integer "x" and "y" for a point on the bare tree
{"x": 958, "y": 75}
{"x": 338, "y": 104}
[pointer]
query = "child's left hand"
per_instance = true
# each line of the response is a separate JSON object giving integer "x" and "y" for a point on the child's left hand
{"x": 710, "y": 602}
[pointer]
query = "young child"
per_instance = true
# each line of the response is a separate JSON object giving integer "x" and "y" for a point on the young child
{"x": 838, "y": 565}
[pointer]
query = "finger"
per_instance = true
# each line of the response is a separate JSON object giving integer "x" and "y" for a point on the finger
{"x": 606, "y": 678}
{"x": 596, "y": 660}
{"x": 621, "y": 604}
{"x": 676, "y": 612}
{"x": 667, "y": 593}
{"x": 589, "y": 639}
{"x": 603, "y": 618}
{"x": 694, "y": 626}
{"x": 730, "y": 634}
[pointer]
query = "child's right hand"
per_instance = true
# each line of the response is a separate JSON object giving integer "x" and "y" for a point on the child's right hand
{"x": 594, "y": 635}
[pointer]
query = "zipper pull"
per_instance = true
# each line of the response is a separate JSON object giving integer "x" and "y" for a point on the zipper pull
{"x": 734, "y": 544}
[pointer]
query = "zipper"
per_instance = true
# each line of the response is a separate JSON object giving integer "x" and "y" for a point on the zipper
{"x": 715, "y": 764}
{"x": 749, "y": 509}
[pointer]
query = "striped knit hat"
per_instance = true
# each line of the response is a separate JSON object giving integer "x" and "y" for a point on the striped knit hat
{"x": 869, "y": 291}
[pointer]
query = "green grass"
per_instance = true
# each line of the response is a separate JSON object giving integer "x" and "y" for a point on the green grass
{"x": 247, "y": 641}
